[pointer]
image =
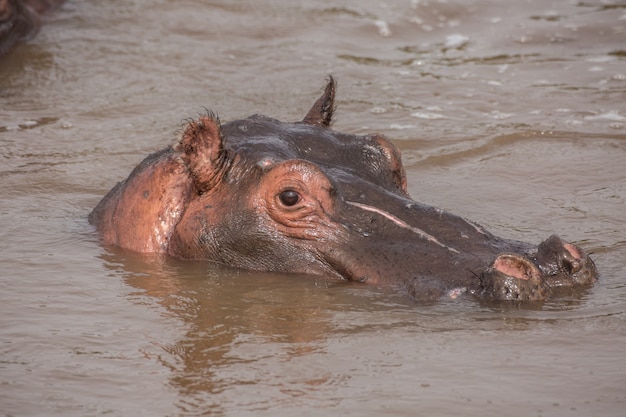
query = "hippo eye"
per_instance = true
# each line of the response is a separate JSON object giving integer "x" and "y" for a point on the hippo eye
{"x": 289, "y": 197}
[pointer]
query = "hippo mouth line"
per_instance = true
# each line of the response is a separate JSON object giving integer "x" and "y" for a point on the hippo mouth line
{"x": 398, "y": 222}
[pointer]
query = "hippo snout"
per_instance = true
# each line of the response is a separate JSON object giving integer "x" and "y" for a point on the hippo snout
{"x": 555, "y": 255}
{"x": 532, "y": 277}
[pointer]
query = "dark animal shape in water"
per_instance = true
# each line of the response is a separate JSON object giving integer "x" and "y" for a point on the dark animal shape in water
{"x": 21, "y": 19}
{"x": 265, "y": 195}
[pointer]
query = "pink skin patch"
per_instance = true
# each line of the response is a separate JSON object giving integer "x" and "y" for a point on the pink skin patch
{"x": 573, "y": 250}
{"x": 456, "y": 293}
{"x": 515, "y": 267}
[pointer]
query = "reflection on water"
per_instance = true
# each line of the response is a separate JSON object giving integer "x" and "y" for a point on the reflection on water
{"x": 259, "y": 342}
{"x": 508, "y": 113}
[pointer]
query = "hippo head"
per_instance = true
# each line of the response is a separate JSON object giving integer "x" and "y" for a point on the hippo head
{"x": 265, "y": 195}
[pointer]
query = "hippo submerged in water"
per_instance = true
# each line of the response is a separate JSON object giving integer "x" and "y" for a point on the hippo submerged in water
{"x": 265, "y": 195}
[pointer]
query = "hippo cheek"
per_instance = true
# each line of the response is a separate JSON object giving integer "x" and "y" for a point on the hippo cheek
{"x": 353, "y": 267}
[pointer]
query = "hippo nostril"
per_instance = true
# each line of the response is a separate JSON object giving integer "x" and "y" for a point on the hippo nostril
{"x": 516, "y": 266}
{"x": 573, "y": 250}
{"x": 556, "y": 256}
{"x": 570, "y": 264}
{"x": 576, "y": 266}
{"x": 571, "y": 259}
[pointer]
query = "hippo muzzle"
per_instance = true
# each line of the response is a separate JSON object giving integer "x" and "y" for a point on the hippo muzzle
{"x": 433, "y": 254}
{"x": 554, "y": 267}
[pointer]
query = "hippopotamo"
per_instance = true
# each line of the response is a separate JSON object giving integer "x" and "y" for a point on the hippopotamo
{"x": 20, "y": 20}
{"x": 265, "y": 195}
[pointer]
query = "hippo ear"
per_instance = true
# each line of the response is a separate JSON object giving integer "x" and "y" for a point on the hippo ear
{"x": 203, "y": 152}
{"x": 321, "y": 113}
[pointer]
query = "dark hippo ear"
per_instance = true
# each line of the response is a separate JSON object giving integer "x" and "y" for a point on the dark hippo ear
{"x": 321, "y": 113}
{"x": 203, "y": 153}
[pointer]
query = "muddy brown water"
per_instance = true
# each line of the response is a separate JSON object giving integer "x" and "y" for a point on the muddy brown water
{"x": 512, "y": 114}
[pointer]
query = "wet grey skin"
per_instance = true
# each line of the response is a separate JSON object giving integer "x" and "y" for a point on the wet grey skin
{"x": 265, "y": 195}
